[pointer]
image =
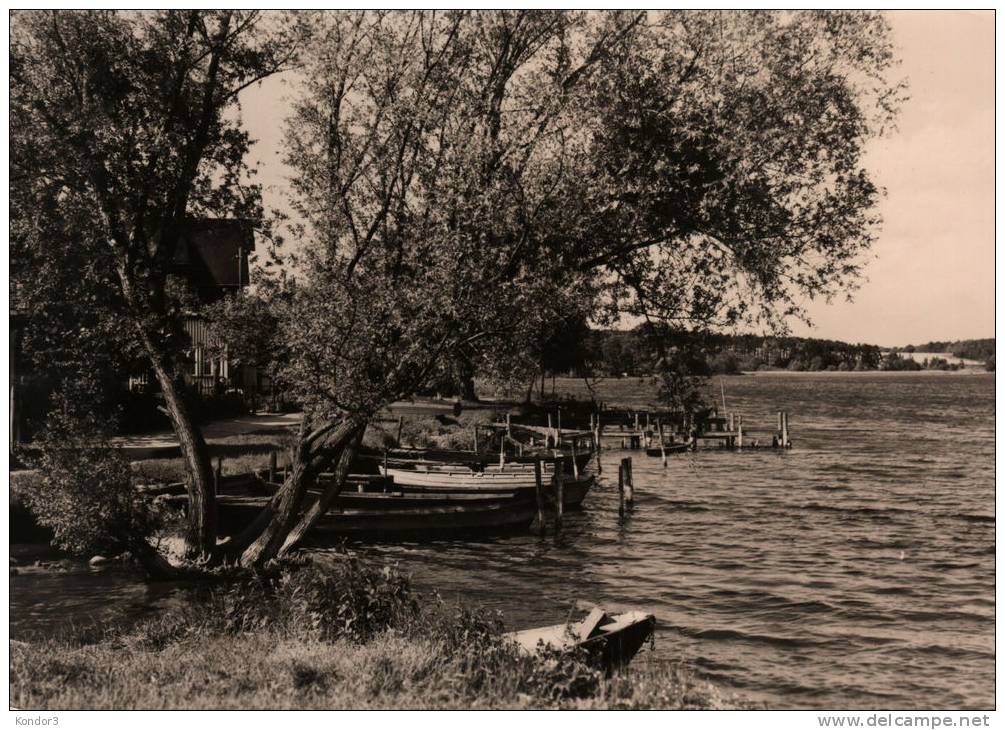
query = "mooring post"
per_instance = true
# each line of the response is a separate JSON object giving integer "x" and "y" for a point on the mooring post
{"x": 575, "y": 467}
{"x": 785, "y": 429}
{"x": 629, "y": 483}
{"x": 558, "y": 432}
{"x": 401, "y": 421}
{"x": 272, "y": 467}
{"x": 502, "y": 451}
{"x": 508, "y": 431}
{"x": 621, "y": 489}
{"x": 559, "y": 495}
{"x": 539, "y": 487}
{"x": 596, "y": 444}
{"x": 476, "y": 437}
{"x": 548, "y": 435}
{"x": 779, "y": 429}
{"x": 739, "y": 432}
{"x": 663, "y": 451}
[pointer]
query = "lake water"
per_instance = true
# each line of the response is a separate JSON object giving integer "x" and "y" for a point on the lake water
{"x": 856, "y": 570}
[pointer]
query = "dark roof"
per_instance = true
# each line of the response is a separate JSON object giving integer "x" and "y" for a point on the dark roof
{"x": 213, "y": 253}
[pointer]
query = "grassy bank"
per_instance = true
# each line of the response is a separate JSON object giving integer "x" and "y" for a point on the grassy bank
{"x": 266, "y": 670}
{"x": 338, "y": 634}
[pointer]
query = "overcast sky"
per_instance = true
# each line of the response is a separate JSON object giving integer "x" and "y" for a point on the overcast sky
{"x": 932, "y": 276}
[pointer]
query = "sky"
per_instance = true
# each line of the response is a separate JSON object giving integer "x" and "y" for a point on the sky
{"x": 931, "y": 273}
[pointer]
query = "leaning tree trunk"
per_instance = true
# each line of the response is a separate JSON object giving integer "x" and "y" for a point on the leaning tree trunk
{"x": 200, "y": 538}
{"x": 201, "y": 535}
{"x": 286, "y": 508}
{"x": 331, "y": 492}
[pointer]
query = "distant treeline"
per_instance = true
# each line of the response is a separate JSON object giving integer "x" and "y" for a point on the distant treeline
{"x": 969, "y": 349}
{"x": 637, "y": 352}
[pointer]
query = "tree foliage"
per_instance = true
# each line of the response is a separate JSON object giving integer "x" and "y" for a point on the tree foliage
{"x": 120, "y": 134}
{"x": 82, "y": 489}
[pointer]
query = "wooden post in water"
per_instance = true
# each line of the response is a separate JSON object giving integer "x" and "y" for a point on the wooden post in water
{"x": 575, "y": 467}
{"x": 401, "y": 421}
{"x": 778, "y": 431}
{"x": 785, "y": 430}
{"x": 502, "y": 451}
{"x": 621, "y": 489}
{"x": 739, "y": 432}
{"x": 596, "y": 444}
{"x": 540, "y": 495}
{"x": 549, "y": 432}
{"x": 663, "y": 451}
{"x": 558, "y": 431}
{"x": 508, "y": 431}
{"x": 629, "y": 483}
{"x": 559, "y": 495}
{"x": 272, "y": 467}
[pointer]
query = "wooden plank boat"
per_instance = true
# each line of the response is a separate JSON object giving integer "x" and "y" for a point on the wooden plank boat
{"x": 443, "y": 481}
{"x": 609, "y": 640}
{"x": 422, "y": 476}
{"x": 669, "y": 449}
{"x": 474, "y": 460}
{"x": 395, "y": 515}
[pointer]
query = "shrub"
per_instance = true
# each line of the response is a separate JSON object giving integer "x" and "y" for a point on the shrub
{"x": 82, "y": 488}
{"x": 298, "y": 597}
{"x": 352, "y": 601}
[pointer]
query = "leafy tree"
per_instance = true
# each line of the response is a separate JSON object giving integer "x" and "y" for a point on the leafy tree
{"x": 465, "y": 177}
{"x": 122, "y": 129}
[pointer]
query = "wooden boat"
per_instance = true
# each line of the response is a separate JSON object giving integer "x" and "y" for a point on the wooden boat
{"x": 471, "y": 459}
{"x": 609, "y": 640}
{"x": 445, "y": 481}
{"x": 398, "y": 514}
{"x": 668, "y": 449}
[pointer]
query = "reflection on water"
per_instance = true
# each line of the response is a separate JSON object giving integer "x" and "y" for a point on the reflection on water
{"x": 855, "y": 570}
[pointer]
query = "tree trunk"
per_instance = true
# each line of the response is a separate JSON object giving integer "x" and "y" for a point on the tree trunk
{"x": 464, "y": 378}
{"x": 201, "y": 535}
{"x": 286, "y": 510}
{"x": 200, "y": 538}
{"x": 156, "y": 565}
{"x": 324, "y": 502}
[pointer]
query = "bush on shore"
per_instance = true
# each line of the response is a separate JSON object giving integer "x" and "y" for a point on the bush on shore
{"x": 334, "y": 635}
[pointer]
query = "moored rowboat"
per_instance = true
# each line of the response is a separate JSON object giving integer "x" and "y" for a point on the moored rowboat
{"x": 398, "y": 514}
{"x": 609, "y": 640}
{"x": 574, "y": 490}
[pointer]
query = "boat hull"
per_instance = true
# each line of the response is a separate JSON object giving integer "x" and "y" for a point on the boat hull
{"x": 611, "y": 646}
{"x": 397, "y": 514}
{"x": 574, "y": 490}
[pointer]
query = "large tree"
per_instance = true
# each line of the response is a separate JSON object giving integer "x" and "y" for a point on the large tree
{"x": 464, "y": 176}
{"x": 122, "y": 130}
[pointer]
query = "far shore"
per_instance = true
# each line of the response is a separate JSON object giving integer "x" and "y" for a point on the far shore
{"x": 965, "y": 371}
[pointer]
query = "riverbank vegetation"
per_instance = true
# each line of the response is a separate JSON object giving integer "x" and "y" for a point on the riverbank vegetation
{"x": 332, "y": 635}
